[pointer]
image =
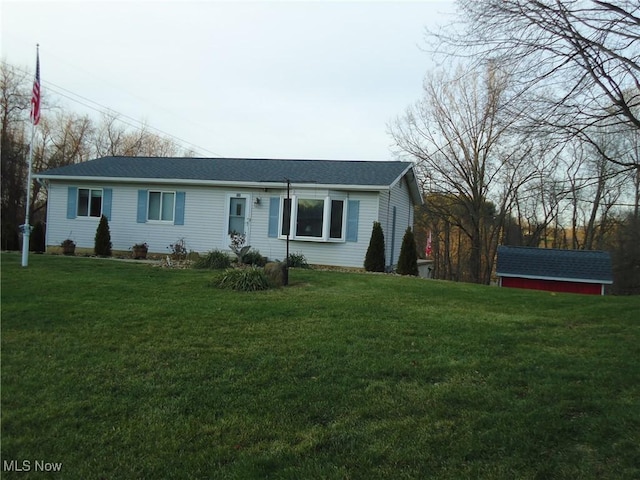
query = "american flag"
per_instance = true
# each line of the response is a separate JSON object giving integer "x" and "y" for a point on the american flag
{"x": 35, "y": 99}
{"x": 427, "y": 250}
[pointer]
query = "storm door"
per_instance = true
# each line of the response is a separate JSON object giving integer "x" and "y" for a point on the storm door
{"x": 237, "y": 215}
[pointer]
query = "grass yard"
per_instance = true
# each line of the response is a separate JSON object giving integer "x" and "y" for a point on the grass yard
{"x": 122, "y": 371}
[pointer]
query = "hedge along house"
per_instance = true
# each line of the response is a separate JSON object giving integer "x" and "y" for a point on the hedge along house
{"x": 555, "y": 270}
{"x": 327, "y": 207}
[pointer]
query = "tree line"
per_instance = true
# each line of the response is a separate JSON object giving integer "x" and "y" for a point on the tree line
{"x": 531, "y": 136}
{"x": 63, "y": 138}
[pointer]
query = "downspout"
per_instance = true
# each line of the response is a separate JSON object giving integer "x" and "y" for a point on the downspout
{"x": 393, "y": 236}
{"x": 388, "y": 259}
{"x": 45, "y": 184}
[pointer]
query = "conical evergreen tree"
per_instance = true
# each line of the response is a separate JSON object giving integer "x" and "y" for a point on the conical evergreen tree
{"x": 374, "y": 261}
{"x": 408, "y": 261}
{"x": 102, "y": 245}
{"x": 36, "y": 240}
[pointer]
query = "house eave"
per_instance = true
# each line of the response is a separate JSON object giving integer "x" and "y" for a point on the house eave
{"x": 211, "y": 183}
{"x": 557, "y": 279}
{"x": 412, "y": 183}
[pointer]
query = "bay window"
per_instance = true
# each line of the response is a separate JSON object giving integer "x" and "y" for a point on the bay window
{"x": 313, "y": 219}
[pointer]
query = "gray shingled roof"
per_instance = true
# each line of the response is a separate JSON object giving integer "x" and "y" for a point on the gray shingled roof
{"x": 326, "y": 172}
{"x": 588, "y": 266}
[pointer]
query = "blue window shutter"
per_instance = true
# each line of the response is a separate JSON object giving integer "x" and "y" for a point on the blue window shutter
{"x": 142, "y": 206}
{"x": 72, "y": 202}
{"x": 353, "y": 212}
{"x": 274, "y": 212}
{"x": 179, "y": 220}
{"x": 107, "y": 194}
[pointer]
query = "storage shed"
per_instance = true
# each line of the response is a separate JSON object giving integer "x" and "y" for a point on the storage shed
{"x": 555, "y": 270}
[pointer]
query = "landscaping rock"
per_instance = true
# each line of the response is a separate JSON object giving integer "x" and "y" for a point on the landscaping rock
{"x": 275, "y": 273}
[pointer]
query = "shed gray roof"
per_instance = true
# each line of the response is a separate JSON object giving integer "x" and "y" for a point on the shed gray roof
{"x": 325, "y": 172}
{"x": 586, "y": 266}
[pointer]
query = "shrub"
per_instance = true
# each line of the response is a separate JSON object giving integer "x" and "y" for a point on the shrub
{"x": 298, "y": 260}
{"x": 374, "y": 261}
{"x": 102, "y": 244}
{"x": 249, "y": 279}
{"x": 36, "y": 240}
{"x": 215, "y": 260}
{"x": 408, "y": 261}
{"x": 253, "y": 257}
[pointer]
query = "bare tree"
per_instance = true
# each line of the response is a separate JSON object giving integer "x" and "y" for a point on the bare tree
{"x": 578, "y": 59}
{"x": 62, "y": 138}
{"x": 460, "y": 142}
{"x": 14, "y": 102}
{"x": 113, "y": 139}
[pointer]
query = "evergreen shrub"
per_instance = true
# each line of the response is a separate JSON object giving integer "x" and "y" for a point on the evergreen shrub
{"x": 408, "y": 261}
{"x": 36, "y": 240}
{"x": 374, "y": 260}
{"x": 102, "y": 246}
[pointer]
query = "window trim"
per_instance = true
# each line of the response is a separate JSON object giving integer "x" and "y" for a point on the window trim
{"x": 326, "y": 219}
{"x": 162, "y": 194}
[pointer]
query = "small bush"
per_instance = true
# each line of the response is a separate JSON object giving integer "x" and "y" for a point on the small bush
{"x": 408, "y": 261}
{"x": 36, "y": 240}
{"x": 298, "y": 260}
{"x": 248, "y": 279}
{"x": 374, "y": 261}
{"x": 253, "y": 257}
{"x": 102, "y": 246}
{"x": 214, "y": 260}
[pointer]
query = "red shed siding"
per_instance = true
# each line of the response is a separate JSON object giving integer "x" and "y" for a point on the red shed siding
{"x": 552, "y": 285}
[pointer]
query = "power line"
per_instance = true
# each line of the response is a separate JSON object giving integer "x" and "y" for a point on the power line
{"x": 103, "y": 109}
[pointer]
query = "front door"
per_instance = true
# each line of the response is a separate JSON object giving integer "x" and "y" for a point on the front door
{"x": 237, "y": 215}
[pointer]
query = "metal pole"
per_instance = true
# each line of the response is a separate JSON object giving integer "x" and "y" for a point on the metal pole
{"x": 26, "y": 228}
{"x": 286, "y": 263}
{"x": 35, "y": 118}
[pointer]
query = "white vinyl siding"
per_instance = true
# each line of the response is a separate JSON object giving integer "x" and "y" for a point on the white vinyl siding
{"x": 397, "y": 198}
{"x": 205, "y": 219}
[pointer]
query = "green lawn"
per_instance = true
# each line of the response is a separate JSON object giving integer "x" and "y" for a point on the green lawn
{"x": 120, "y": 370}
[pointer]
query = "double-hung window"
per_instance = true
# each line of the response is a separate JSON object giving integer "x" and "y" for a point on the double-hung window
{"x": 89, "y": 202}
{"x": 161, "y": 206}
{"x": 313, "y": 219}
{"x": 158, "y": 206}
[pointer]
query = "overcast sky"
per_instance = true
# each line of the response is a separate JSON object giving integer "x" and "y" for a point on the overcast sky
{"x": 235, "y": 79}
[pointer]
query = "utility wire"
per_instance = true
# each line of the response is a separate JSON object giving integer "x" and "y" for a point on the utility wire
{"x": 103, "y": 109}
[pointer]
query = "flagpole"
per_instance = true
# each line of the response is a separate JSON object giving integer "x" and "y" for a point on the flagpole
{"x": 35, "y": 114}
{"x": 26, "y": 228}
